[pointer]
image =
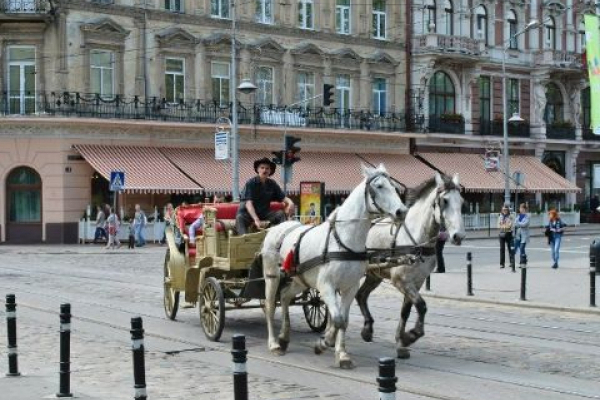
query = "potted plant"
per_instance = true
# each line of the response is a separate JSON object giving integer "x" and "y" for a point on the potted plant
{"x": 452, "y": 118}
{"x": 562, "y": 124}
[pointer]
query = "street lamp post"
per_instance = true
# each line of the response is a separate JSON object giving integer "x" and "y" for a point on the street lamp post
{"x": 245, "y": 87}
{"x": 531, "y": 25}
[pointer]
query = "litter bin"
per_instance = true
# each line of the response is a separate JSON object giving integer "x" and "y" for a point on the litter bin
{"x": 595, "y": 251}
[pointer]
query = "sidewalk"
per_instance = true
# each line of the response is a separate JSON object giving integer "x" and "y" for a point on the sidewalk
{"x": 593, "y": 230}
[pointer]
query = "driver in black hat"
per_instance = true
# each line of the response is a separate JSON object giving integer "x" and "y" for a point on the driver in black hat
{"x": 257, "y": 196}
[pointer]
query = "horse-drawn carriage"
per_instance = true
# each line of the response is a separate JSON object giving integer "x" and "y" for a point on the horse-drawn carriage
{"x": 218, "y": 270}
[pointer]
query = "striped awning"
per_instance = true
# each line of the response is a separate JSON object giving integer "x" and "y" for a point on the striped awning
{"x": 146, "y": 169}
{"x": 474, "y": 178}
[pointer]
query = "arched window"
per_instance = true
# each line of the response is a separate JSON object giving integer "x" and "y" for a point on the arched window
{"x": 581, "y": 37}
{"x": 512, "y": 29}
{"x": 481, "y": 24}
{"x": 448, "y": 17}
{"x": 24, "y": 190}
{"x": 550, "y": 33}
{"x": 441, "y": 95}
{"x": 554, "y": 104}
{"x": 430, "y": 15}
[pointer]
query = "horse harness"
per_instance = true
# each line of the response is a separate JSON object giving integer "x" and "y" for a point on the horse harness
{"x": 348, "y": 254}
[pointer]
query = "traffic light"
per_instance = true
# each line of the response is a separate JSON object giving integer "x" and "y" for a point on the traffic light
{"x": 328, "y": 92}
{"x": 291, "y": 150}
{"x": 278, "y": 159}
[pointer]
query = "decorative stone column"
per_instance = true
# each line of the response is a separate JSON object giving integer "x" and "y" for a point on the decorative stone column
{"x": 288, "y": 78}
{"x": 538, "y": 126}
{"x": 571, "y": 172}
{"x": 364, "y": 101}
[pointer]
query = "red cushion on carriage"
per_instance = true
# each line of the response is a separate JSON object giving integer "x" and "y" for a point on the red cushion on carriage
{"x": 228, "y": 211}
{"x": 186, "y": 215}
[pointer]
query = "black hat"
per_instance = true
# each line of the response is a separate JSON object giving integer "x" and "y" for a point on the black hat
{"x": 265, "y": 160}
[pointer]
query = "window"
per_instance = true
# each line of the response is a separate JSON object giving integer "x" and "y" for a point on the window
{"x": 484, "y": 103}
{"x": 305, "y": 14}
{"x": 512, "y": 96}
{"x": 264, "y": 82}
{"x": 342, "y": 17}
{"x": 481, "y": 24}
{"x": 581, "y": 33}
{"x": 102, "y": 69}
{"x": 550, "y": 34}
{"x": 441, "y": 95}
{"x": 342, "y": 89}
{"x": 219, "y": 8}
{"x": 430, "y": 16}
{"x": 554, "y": 104}
{"x": 379, "y": 19}
{"x": 174, "y": 79}
{"x": 448, "y": 18}
{"x": 24, "y": 196}
{"x": 586, "y": 108}
{"x": 512, "y": 30}
{"x": 379, "y": 96}
{"x": 21, "y": 79}
{"x": 305, "y": 88}
{"x": 264, "y": 11}
{"x": 174, "y": 5}
{"x": 220, "y": 82}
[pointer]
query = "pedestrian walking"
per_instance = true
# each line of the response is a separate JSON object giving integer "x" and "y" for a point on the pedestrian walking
{"x": 522, "y": 233}
{"x": 112, "y": 224}
{"x": 556, "y": 228}
{"x": 131, "y": 243}
{"x": 505, "y": 225}
{"x": 169, "y": 215}
{"x": 100, "y": 225}
{"x": 439, "y": 251}
{"x": 139, "y": 223}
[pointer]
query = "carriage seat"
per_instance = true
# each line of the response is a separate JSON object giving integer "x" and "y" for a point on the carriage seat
{"x": 226, "y": 212}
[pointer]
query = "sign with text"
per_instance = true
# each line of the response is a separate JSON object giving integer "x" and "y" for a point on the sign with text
{"x": 311, "y": 202}
{"x": 221, "y": 145}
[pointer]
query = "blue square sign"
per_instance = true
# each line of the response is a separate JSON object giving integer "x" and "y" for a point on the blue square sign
{"x": 117, "y": 181}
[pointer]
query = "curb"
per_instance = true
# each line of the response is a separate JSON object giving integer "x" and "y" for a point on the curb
{"x": 535, "y": 306}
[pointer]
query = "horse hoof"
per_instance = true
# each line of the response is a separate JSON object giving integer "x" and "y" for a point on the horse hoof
{"x": 344, "y": 363}
{"x": 318, "y": 349}
{"x": 367, "y": 335}
{"x": 403, "y": 353}
{"x": 284, "y": 344}
{"x": 277, "y": 351}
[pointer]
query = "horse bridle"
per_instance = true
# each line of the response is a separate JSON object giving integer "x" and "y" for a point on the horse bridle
{"x": 370, "y": 192}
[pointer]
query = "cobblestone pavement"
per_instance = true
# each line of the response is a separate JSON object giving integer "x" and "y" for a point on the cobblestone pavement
{"x": 471, "y": 351}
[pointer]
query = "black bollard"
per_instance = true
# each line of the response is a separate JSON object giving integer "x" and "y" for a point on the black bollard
{"x": 11, "y": 333}
{"x": 523, "y": 282}
{"x": 139, "y": 369}
{"x": 592, "y": 280}
{"x": 428, "y": 283}
{"x": 240, "y": 374}
{"x": 65, "y": 352}
{"x": 387, "y": 378}
{"x": 469, "y": 274}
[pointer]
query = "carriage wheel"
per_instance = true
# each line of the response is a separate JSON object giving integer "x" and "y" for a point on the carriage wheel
{"x": 171, "y": 296}
{"x": 315, "y": 310}
{"x": 212, "y": 309}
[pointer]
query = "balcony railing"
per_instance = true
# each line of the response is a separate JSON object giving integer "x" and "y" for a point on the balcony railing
{"x": 559, "y": 59}
{"x": 555, "y": 132}
{"x": 446, "y": 44}
{"x": 495, "y": 128}
{"x": 24, "y": 6}
{"x": 71, "y": 104}
{"x": 588, "y": 134}
{"x": 439, "y": 125}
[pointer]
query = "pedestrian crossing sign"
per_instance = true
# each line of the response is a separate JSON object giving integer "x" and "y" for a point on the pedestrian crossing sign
{"x": 117, "y": 181}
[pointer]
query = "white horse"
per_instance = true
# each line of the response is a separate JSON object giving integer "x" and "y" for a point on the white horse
{"x": 336, "y": 255}
{"x": 435, "y": 206}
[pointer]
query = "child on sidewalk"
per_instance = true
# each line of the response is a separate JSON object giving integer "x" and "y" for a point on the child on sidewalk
{"x": 112, "y": 224}
{"x": 131, "y": 244}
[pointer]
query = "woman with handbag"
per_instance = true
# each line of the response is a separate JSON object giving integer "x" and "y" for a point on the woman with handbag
{"x": 556, "y": 227}
{"x": 505, "y": 225}
{"x": 522, "y": 232}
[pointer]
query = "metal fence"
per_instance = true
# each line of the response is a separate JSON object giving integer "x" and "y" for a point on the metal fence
{"x": 73, "y": 104}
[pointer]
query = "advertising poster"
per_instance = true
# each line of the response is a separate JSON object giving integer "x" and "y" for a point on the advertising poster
{"x": 311, "y": 202}
{"x": 592, "y": 42}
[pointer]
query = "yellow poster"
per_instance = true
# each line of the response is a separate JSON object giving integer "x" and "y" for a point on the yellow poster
{"x": 311, "y": 194}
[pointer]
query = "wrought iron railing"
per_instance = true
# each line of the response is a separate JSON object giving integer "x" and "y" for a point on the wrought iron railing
{"x": 441, "y": 125}
{"x": 555, "y": 132}
{"x": 588, "y": 134}
{"x": 24, "y": 6}
{"x": 70, "y": 104}
{"x": 495, "y": 128}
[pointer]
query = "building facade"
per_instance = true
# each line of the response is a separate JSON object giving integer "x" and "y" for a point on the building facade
{"x": 132, "y": 74}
